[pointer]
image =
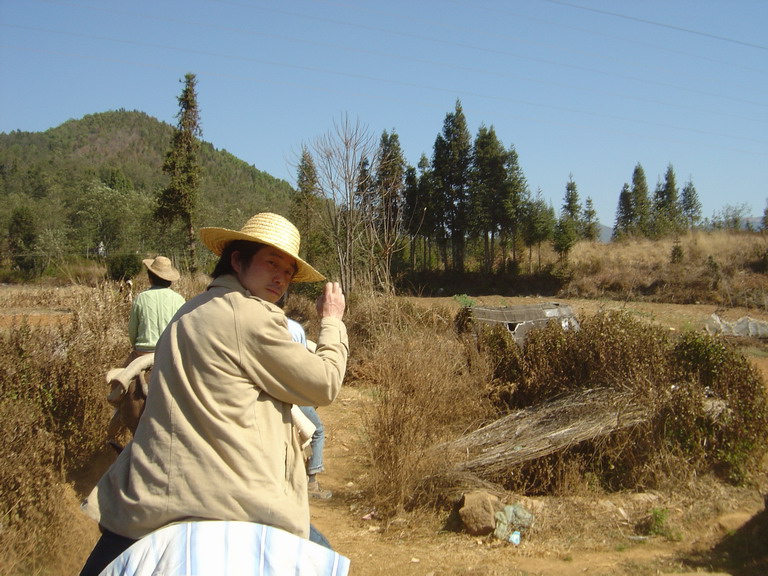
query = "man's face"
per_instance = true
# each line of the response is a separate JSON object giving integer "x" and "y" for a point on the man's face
{"x": 268, "y": 274}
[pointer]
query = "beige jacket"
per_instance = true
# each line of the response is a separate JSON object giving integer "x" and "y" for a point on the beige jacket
{"x": 216, "y": 439}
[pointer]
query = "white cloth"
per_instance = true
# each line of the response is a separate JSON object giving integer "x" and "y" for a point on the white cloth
{"x": 214, "y": 548}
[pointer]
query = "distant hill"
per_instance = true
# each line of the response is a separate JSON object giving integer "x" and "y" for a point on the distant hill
{"x": 606, "y": 232}
{"x": 121, "y": 152}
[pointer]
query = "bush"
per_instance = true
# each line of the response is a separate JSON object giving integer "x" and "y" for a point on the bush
{"x": 123, "y": 266}
{"x": 53, "y": 417}
{"x": 707, "y": 407}
{"x": 421, "y": 394}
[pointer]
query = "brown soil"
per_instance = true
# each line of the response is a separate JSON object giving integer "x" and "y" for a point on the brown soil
{"x": 598, "y": 543}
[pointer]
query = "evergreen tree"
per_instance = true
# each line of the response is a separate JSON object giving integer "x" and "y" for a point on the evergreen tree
{"x": 429, "y": 216}
{"x": 516, "y": 194}
{"x": 488, "y": 184}
{"x": 571, "y": 206}
{"x": 591, "y": 227}
{"x": 765, "y": 216}
{"x": 179, "y": 199}
{"x": 101, "y": 215}
{"x": 411, "y": 211}
{"x": 667, "y": 217}
{"x": 569, "y": 227}
{"x": 538, "y": 226}
{"x": 641, "y": 204}
{"x": 388, "y": 206}
{"x": 624, "y": 214}
{"x": 690, "y": 205}
{"x": 450, "y": 167}
{"x": 306, "y": 205}
{"x": 565, "y": 236}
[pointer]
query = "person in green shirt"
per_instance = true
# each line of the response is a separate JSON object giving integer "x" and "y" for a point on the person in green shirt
{"x": 153, "y": 308}
{"x": 151, "y": 312}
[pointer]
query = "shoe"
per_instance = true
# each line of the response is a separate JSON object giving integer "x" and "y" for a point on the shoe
{"x": 315, "y": 491}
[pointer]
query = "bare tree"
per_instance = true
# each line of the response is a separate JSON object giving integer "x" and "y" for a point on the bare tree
{"x": 344, "y": 179}
{"x": 385, "y": 222}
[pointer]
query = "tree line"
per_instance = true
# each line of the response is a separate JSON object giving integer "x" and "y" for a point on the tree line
{"x": 365, "y": 214}
{"x": 468, "y": 206}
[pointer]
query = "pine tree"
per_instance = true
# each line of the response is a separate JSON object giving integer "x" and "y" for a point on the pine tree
{"x": 667, "y": 217}
{"x": 538, "y": 226}
{"x": 429, "y": 214}
{"x": 569, "y": 227}
{"x": 516, "y": 194}
{"x": 641, "y": 204}
{"x": 624, "y": 214}
{"x": 571, "y": 205}
{"x": 690, "y": 205}
{"x": 488, "y": 182}
{"x": 450, "y": 167}
{"x": 388, "y": 206}
{"x": 305, "y": 208}
{"x": 591, "y": 227}
{"x": 178, "y": 201}
{"x": 765, "y": 216}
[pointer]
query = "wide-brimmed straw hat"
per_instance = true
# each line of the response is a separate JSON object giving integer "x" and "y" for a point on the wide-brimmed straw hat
{"x": 162, "y": 268}
{"x": 266, "y": 228}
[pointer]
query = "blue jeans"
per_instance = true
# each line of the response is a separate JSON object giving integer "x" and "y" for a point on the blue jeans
{"x": 317, "y": 443}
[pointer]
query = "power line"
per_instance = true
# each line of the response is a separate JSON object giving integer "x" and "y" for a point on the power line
{"x": 660, "y": 24}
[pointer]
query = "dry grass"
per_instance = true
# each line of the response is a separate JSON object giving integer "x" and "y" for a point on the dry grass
{"x": 714, "y": 266}
{"x": 53, "y": 414}
{"x": 422, "y": 393}
{"x": 425, "y": 385}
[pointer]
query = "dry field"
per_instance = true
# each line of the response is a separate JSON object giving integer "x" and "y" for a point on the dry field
{"x": 583, "y": 534}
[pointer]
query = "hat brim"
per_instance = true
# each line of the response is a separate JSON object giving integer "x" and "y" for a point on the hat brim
{"x": 216, "y": 239}
{"x": 170, "y": 275}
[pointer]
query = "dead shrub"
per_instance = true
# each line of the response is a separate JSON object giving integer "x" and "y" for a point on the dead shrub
{"x": 706, "y": 405}
{"x": 31, "y": 490}
{"x": 728, "y": 417}
{"x": 53, "y": 415}
{"x": 376, "y": 319}
{"x": 422, "y": 394}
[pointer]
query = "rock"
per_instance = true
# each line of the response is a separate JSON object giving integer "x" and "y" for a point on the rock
{"x": 478, "y": 513}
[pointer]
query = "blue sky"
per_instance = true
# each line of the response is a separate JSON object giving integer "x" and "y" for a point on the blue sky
{"x": 586, "y": 88}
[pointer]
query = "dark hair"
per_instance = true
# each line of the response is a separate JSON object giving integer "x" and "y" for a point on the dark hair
{"x": 155, "y": 280}
{"x": 245, "y": 249}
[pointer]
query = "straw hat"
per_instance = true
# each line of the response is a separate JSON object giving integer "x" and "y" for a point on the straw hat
{"x": 266, "y": 228}
{"x": 162, "y": 268}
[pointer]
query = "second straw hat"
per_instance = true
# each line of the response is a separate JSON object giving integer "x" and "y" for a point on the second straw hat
{"x": 162, "y": 268}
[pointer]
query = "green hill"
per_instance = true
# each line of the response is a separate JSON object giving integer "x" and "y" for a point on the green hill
{"x": 96, "y": 179}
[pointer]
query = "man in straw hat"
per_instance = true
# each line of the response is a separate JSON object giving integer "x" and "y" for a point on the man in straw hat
{"x": 216, "y": 440}
{"x": 153, "y": 308}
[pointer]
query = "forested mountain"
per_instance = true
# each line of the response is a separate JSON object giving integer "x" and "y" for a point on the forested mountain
{"x": 96, "y": 179}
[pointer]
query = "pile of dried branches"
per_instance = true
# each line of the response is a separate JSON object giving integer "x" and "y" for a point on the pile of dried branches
{"x": 542, "y": 430}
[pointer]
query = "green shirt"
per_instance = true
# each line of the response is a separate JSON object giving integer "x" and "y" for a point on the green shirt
{"x": 151, "y": 312}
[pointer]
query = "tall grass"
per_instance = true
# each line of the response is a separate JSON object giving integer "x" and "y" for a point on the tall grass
{"x": 721, "y": 267}
{"x": 53, "y": 414}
